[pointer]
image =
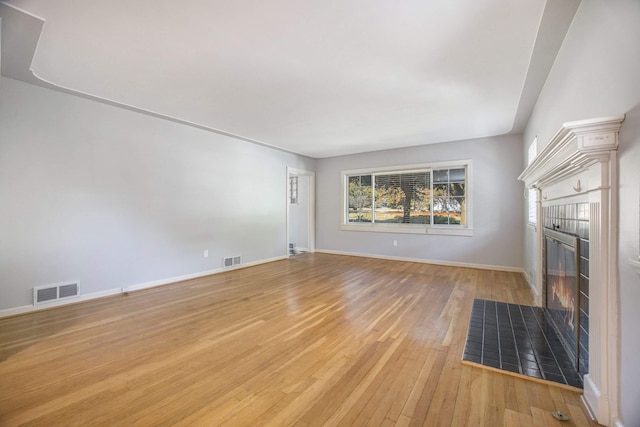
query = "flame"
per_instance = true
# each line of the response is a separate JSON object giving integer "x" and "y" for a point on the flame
{"x": 562, "y": 291}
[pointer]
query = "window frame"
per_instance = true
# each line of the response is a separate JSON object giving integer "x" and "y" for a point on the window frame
{"x": 435, "y": 229}
{"x": 532, "y": 207}
{"x": 293, "y": 189}
{"x": 532, "y": 202}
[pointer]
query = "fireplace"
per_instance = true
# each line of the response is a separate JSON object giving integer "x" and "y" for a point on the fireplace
{"x": 561, "y": 289}
{"x": 575, "y": 176}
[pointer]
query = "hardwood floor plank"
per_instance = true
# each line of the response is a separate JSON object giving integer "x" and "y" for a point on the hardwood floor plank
{"x": 313, "y": 340}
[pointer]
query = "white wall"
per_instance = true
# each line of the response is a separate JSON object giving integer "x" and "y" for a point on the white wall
{"x": 597, "y": 73}
{"x": 114, "y": 198}
{"x": 497, "y": 205}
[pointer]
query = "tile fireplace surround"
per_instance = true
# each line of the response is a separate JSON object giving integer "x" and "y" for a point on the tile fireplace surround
{"x": 572, "y": 220}
{"x": 579, "y": 166}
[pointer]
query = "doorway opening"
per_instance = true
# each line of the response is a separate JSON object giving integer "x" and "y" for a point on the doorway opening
{"x": 300, "y": 211}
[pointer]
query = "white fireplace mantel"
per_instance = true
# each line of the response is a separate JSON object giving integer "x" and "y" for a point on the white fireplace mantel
{"x": 574, "y": 148}
{"x": 579, "y": 164}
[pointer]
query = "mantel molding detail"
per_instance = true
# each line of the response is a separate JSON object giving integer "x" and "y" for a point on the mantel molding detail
{"x": 574, "y": 148}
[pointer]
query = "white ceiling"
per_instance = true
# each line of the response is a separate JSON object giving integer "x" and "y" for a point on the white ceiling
{"x": 319, "y": 78}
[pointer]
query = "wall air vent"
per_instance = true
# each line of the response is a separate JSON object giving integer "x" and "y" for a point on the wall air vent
{"x": 231, "y": 261}
{"x": 42, "y": 294}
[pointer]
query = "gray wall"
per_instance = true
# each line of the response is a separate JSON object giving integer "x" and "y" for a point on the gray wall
{"x": 497, "y": 205}
{"x": 114, "y": 198}
{"x": 597, "y": 73}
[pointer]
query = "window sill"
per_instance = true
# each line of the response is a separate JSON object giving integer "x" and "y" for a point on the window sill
{"x": 407, "y": 229}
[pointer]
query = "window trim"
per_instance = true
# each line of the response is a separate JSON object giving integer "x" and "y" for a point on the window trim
{"x": 532, "y": 153}
{"x": 434, "y": 229}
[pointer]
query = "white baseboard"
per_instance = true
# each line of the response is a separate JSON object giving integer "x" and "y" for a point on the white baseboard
{"x": 427, "y": 261}
{"x": 74, "y": 300}
{"x": 175, "y": 279}
{"x": 130, "y": 288}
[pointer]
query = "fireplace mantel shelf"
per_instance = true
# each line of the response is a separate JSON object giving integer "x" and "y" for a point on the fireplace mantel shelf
{"x": 575, "y": 147}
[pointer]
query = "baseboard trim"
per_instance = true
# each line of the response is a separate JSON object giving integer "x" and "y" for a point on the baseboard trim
{"x": 427, "y": 261}
{"x": 130, "y": 288}
{"x": 175, "y": 279}
{"x": 45, "y": 306}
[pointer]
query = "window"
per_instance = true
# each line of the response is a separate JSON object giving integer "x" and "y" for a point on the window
{"x": 360, "y": 198}
{"x": 532, "y": 201}
{"x": 293, "y": 190}
{"x": 403, "y": 198}
{"x": 532, "y": 198}
{"x": 420, "y": 199}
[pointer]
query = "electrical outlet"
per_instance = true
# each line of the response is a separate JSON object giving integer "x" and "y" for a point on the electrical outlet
{"x": 206, "y": 253}
{"x": 395, "y": 243}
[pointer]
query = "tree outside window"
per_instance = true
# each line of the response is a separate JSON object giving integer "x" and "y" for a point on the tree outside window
{"x": 415, "y": 197}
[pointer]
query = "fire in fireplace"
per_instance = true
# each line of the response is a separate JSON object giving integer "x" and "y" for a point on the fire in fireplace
{"x": 562, "y": 287}
{"x": 562, "y": 295}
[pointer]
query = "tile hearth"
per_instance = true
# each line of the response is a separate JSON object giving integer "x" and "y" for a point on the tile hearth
{"x": 520, "y": 340}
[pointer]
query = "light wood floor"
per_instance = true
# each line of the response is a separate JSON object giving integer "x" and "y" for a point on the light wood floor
{"x": 314, "y": 340}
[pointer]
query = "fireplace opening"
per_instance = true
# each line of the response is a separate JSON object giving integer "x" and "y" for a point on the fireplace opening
{"x": 562, "y": 292}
